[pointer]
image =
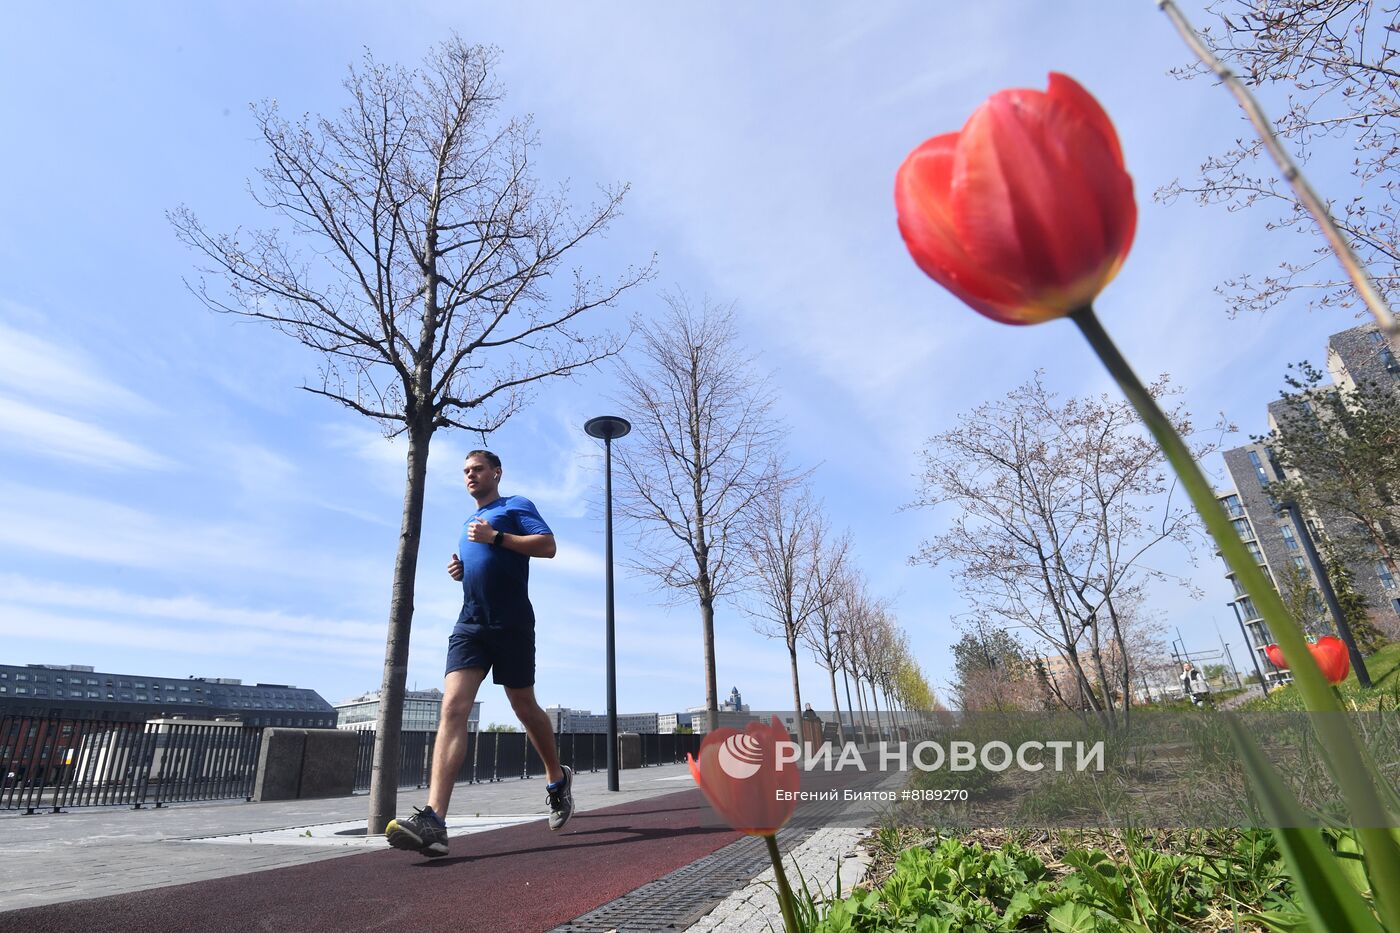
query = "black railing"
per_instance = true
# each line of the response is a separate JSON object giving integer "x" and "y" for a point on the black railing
{"x": 61, "y": 763}
{"x": 58, "y": 763}
{"x": 500, "y": 756}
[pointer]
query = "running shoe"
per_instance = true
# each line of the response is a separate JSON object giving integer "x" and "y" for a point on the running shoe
{"x": 424, "y": 832}
{"x": 561, "y": 799}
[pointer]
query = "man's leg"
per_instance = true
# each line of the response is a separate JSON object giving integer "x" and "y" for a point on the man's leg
{"x": 458, "y": 695}
{"x": 537, "y": 727}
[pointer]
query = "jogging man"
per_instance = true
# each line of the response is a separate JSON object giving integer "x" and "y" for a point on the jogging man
{"x": 495, "y": 632}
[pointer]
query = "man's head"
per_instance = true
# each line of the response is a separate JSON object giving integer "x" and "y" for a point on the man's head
{"x": 482, "y": 473}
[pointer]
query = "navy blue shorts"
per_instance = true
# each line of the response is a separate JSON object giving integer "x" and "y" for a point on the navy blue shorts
{"x": 507, "y": 651}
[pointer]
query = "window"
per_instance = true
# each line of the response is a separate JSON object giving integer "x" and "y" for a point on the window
{"x": 1290, "y": 540}
{"x": 21, "y": 690}
{"x": 1259, "y": 469}
{"x": 21, "y": 677}
{"x": 1394, "y": 603}
{"x": 58, "y": 680}
{"x": 1299, "y": 561}
{"x": 1383, "y": 349}
{"x": 1254, "y": 551}
{"x": 1383, "y": 571}
{"x": 1243, "y": 530}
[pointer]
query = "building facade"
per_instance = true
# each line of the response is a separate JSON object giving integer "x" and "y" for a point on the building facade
{"x": 75, "y": 691}
{"x": 1278, "y": 536}
{"x": 422, "y": 709}
{"x": 668, "y": 723}
{"x": 566, "y": 720}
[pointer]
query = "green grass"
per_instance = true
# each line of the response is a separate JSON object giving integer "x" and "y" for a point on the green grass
{"x": 1143, "y": 882}
{"x": 1384, "y": 668}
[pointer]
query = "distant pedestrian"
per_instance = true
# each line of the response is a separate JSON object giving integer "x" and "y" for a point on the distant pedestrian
{"x": 1193, "y": 685}
{"x": 495, "y": 631}
{"x": 812, "y": 727}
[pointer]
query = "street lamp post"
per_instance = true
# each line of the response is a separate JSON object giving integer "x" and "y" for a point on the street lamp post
{"x": 1329, "y": 595}
{"x": 849, "y": 712}
{"x": 609, "y": 427}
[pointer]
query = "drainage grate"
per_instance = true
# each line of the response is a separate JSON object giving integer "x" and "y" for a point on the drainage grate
{"x": 676, "y": 901}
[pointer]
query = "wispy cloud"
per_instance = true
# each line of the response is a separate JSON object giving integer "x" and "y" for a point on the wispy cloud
{"x": 35, "y": 626}
{"x": 46, "y": 521}
{"x": 44, "y": 433}
{"x": 62, "y": 374}
{"x": 109, "y": 603}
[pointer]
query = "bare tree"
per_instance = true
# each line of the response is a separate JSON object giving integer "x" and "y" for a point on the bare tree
{"x": 1333, "y": 65}
{"x": 425, "y": 280}
{"x": 706, "y": 457}
{"x": 833, "y": 575}
{"x": 1056, "y": 505}
{"x": 872, "y": 631}
{"x": 787, "y": 549}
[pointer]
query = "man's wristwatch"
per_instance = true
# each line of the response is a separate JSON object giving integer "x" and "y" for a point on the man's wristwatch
{"x": 496, "y": 541}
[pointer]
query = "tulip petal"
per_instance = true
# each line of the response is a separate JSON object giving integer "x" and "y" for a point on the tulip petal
{"x": 1040, "y": 194}
{"x": 1027, "y": 212}
{"x": 1332, "y": 658}
{"x": 922, "y": 205}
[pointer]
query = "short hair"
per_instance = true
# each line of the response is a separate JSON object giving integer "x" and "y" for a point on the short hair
{"x": 486, "y": 455}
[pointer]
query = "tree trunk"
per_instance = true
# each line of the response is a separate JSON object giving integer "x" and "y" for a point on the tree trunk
{"x": 707, "y": 626}
{"x": 836, "y": 705}
{"x": 384, "y": 780}
{"x": 864, "y": 715}
{"x": 796, "y": 698}
{"x": 875, "y": 707}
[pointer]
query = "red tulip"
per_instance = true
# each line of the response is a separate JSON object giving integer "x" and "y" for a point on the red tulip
{"x": 1329, "y": 651}
{"x": 1331, "y": 655}
{"x": 1027, "y": 212}
{"x": 741, "y": 776}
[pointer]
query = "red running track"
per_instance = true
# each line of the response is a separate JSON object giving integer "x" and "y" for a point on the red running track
{"x": 520, "y": 879}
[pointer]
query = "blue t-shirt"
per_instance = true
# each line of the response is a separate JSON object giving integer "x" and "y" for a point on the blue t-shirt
{"x": 495, "y": 581}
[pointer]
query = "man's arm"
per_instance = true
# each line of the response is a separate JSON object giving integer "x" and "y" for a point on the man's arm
{"x": 529, "y": 545}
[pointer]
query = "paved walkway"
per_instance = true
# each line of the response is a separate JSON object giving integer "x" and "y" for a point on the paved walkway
{"x": 165, "y": 869}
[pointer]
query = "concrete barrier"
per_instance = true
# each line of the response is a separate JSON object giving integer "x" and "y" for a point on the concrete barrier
{"x": 304, "y": 763}
{"x": 629, "y": 750}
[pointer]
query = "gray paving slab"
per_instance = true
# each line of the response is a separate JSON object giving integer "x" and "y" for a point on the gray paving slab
{"x": 94, "y": 852}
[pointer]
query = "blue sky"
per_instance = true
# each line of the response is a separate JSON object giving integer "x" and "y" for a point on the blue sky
{"x": 172, "y": 503}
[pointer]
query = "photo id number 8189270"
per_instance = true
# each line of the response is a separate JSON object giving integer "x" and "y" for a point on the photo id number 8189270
{"x": 936, "y": 795}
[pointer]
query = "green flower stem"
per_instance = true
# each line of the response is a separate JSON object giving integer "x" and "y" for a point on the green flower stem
{"x": 1348, "y": 762}
{"x": 784, "y": 891}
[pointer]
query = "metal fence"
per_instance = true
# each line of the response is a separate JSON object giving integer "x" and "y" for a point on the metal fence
{"x": 60, "y": 763}
{"x": 499, "y": 756}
